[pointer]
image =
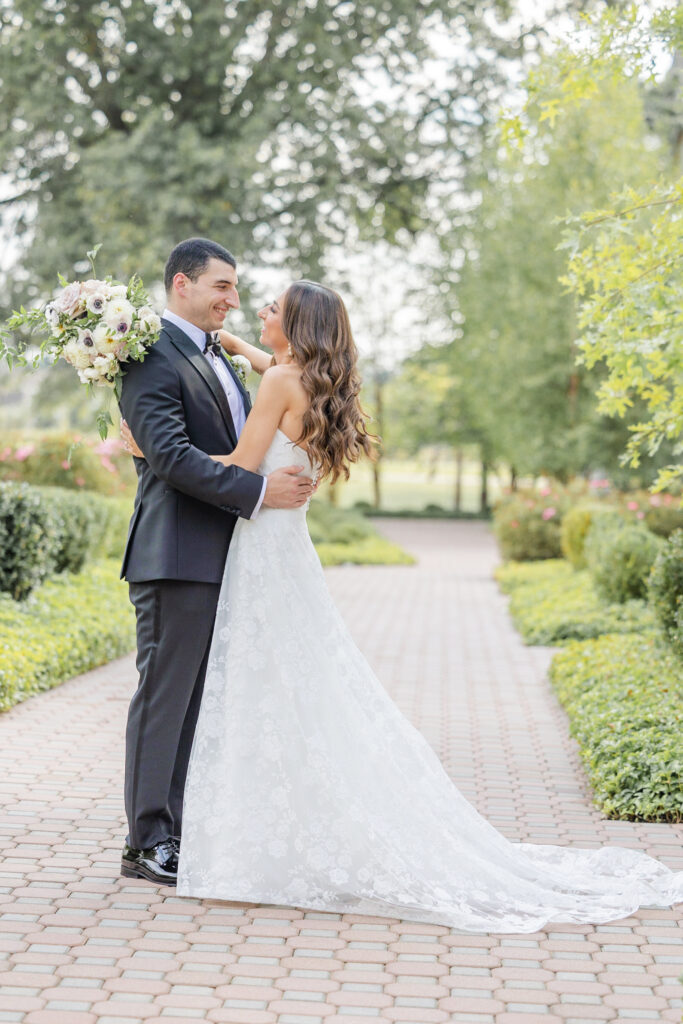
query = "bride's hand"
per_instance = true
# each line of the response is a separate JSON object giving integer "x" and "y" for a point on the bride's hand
{"x": 129, "y": 441}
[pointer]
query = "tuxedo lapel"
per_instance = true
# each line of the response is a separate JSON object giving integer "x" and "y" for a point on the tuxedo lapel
{"x": 196, "y": 358}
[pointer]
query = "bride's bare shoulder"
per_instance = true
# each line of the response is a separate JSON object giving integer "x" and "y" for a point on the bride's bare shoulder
{"x": 283, "y": 377}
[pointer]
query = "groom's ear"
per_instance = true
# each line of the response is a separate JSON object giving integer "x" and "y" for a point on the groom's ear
{"x": 179, "y": 283}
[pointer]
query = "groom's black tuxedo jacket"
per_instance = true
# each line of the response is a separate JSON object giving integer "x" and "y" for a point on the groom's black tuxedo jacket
{"x": 186, "y": 504}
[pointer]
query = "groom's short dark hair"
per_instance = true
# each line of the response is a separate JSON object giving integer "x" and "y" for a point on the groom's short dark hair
{"x": 191, "y": 258}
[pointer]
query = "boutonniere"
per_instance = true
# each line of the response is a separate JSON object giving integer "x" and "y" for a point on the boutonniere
{"x": 241, "y": 366}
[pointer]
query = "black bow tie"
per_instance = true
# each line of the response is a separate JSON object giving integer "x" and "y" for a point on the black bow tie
{"x": 212, "y": 345}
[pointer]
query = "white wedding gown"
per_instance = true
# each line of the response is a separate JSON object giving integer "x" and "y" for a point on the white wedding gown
{"x": 308, "y": 787}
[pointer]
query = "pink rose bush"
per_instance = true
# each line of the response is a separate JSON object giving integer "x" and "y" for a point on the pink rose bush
{"x": 552, "y": 520}
{"x": 527, "y": 522}
{"x": 65, "y": 460}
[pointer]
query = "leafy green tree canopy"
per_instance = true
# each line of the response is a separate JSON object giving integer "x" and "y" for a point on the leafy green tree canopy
{"x": 270, "y": 125}
{"x": 626, "y": 255}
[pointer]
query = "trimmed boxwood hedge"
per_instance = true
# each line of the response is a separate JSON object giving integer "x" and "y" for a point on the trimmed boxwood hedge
{"x": 344, "y": 536}
{"x": 369, "y": 551}
{"x": 666, "y": 591}
{"x": 46, "y": 530}
{"x": 624, "y": 698}
{"x": 71, "y": 624}
{"x": 551, "y": 603}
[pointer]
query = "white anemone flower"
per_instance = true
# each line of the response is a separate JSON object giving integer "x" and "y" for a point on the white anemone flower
{"x": 119, "y": 315}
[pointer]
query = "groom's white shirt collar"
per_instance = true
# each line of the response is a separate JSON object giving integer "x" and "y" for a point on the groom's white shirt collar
{"x": 191, "y": 330}
{"x": 198, "y": 336}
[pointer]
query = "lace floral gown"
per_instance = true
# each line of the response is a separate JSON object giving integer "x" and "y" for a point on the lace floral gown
{"x": 308, "y": 787}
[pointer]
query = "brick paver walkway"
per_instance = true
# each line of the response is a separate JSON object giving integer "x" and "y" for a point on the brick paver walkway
{"x": 80, "y": 945}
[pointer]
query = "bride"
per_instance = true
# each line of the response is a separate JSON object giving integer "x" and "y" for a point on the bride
{"x": 306, "y": 784}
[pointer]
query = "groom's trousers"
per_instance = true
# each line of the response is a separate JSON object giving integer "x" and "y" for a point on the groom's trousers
{"x": 174, "y": 626}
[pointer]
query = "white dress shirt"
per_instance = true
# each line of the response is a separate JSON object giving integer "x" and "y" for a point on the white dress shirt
{"x": 232, "y": 392}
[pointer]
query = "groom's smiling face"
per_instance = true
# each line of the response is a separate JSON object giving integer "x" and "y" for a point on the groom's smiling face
{"x": 206, "y": 301}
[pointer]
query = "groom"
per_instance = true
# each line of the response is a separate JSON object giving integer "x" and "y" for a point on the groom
{"x": 183, "y": 404}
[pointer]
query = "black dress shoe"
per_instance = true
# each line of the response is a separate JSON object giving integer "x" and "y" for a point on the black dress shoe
{"x": 157, "y": 864}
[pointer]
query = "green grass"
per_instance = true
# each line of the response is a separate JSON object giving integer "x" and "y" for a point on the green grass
{"x": 410, "y": 484}
{"x": 551, "y": 603}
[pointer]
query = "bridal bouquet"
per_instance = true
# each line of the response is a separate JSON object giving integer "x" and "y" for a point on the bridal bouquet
{"x": 96, "y": 325}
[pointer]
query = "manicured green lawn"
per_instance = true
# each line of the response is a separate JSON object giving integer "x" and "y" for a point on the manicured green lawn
{"x": 408, "y": 484}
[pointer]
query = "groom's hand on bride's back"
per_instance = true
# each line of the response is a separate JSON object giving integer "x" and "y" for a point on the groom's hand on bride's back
{"x": 288, "y": 488}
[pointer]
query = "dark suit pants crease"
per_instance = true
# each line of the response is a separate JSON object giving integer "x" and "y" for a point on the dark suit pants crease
{"x": 174, "y": 627}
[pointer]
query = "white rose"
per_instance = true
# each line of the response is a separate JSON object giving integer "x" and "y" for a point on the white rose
{"x": 241, "y": 364}
{"x": 90, "y": 375}
{"x": 118, "y": 291}
{"x": 119, "y": 315}
{"x": 105, "y": 339}
{"x": 69, "y": 300}
{"x": 149, "y": 322}
{"x": 93, "y": 285}
{"x": 77, "y": 355}
{"x": 105, "y": 364}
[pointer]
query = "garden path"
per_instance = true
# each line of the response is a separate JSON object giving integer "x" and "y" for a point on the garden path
{"x": 80, "y": 945}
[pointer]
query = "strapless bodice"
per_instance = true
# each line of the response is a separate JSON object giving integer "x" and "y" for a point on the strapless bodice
{"x": 283, "y": 452}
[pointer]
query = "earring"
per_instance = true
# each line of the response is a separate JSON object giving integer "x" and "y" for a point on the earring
{"x": 290, "y": 351}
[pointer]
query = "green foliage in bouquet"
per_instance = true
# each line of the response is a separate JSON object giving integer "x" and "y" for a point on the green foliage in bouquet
{"x": 70, "y": 625}
{"x": 624, "y": 698}
{"x": 666, "y": 591}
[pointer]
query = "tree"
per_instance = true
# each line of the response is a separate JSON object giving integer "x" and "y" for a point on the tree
{"x": 626, "y": 257}
{"x": 271, "y": 125}
{"x": 427, "y": 405}
{"x": 516, "y": 351}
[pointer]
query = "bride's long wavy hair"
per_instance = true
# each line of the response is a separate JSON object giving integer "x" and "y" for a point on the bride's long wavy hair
{"x": 316, "y": 324}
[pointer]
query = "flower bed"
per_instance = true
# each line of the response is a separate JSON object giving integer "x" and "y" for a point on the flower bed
{"x": 624, "y": 698}
{"x": 620, "y": 683}
{"x": 551, "y": 603}
{"x": 67, "y": 460}
{"x": 344, "y": 536}
{"x": 71, "y": 624}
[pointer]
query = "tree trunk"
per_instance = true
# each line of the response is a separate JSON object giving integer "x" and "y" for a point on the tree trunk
{"x": 457, "y": 498}
{"x": 376, "y": 483}
{"x": 513, "y": 478}
{"x": 484, "y": 494}
{"x": 377, "y": 464}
